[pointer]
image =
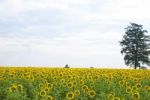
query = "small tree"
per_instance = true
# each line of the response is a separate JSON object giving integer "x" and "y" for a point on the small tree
{"x": 135, "y": 46}
{"x": 66, "y": 66}
{"x": 91, "y": 67}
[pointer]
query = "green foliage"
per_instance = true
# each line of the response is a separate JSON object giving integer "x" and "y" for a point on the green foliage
{"x": 136, "y": 46}
{"x": 82, "y": 84}
{"x": 66, "y": 66}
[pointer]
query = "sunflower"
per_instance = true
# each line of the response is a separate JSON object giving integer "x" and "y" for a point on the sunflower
{"x": 41, "y": 85}
{"x": 70, "y": 95}
{"x": 50, "y": 98}
{"x": 74, "y": 83}
{"x": 49, "y": 85}
{"x": 134, "y": 88}
{"x": 128, "y": 89}
{"x": 136, "y": 95}
{"x": 70, "y": 84}
{"x": 127, "y": 84}
{"x": 121, "y": 83}
{"x": 147, "y": 88}
{"x": 13, "y": 88}
{"x": 116, "y": 98}
{"x": 77, "y": 92}
{"x": 20, "y": 87}
{"x": 47, "y": 89}
{"x": 92, "y": 93}
{"x": 12, "y": 75}
{"x": 43, "y": 93}
{"x": 138, "y": 86}
{"x": 84, "y": 87}
{"x": 81, "y": 82}
{"x": 62, "y": 81}
{"x": 136, "y": 79}
{"x": 24, "y": 75}
{"x": 86, "y": 90}
{"x": 110, "y": 96}
{"x": 28, "y": 77}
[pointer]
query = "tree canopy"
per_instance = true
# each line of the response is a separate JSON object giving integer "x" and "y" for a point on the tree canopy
{"x": 135, "y": 46}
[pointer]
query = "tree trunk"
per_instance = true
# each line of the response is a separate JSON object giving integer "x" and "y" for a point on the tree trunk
{"x": 136, "y": 60}
{"x": 135, "y": 66}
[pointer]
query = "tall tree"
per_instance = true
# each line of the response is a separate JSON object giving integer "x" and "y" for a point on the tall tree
{"x": 135, "y": 46}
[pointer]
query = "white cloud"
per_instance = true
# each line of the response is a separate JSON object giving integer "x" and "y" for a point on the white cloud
{"x": 117, "y": 9}
{"x": 80, "y": 47}
{"x": 85, "y": 31}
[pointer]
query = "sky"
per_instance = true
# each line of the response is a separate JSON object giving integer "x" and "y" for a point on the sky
{"x": 80, "y": 33}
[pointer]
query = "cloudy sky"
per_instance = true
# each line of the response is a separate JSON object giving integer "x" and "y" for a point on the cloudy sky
{"x": 81, "y": 33}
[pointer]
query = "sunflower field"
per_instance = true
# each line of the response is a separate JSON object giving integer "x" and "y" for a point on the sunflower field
{"x": 29, "y": 83}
